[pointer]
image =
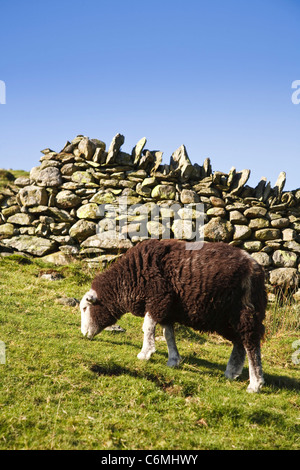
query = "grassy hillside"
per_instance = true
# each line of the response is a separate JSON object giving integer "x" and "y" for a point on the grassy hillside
{"x": 59, "y": 390}
{"x": 8, "y": 176}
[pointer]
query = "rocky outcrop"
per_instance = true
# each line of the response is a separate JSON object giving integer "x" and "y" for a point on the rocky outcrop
{"x": 57, "y": 212}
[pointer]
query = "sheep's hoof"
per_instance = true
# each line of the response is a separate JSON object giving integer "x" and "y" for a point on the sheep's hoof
{"x": 256, "y": 387}
{"x": 145, "y": 355}
{"x": 174, "y": 361}
{"x": 231, "y": 375}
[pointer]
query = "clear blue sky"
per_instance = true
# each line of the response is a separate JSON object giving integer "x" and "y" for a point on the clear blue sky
{"x": 214, "y": 75}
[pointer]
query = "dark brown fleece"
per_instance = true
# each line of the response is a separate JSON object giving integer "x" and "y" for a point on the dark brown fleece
{"x": 202, "y": 288}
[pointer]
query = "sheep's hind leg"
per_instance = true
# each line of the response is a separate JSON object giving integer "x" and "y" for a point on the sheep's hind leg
{"x": 255, "y": 369}
{"x": 174, "y": 357}
{"x": 149, "y": 338}
{"x": 236, "y": 362}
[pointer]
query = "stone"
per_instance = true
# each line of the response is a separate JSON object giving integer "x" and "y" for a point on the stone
{"x": 68, "y": 169}
{"x": 259, "y": 189}
{"x": 68, "y": 301}
{"x": 241, "y": 232}
{"x": 69, "y": 249}
{"x": 114, "y": 148}
{"x": 30, "y": 196}
{"x": 99, "y": 144}
{"x": 149, "y": 182}
{"x": 252, "y": 245}
{"x": 6, "y": 230}
{"x": 47, "y": 151}
{"x": 86, "y": 148}
{"x": 292, "y": 245}
{"x": 49, "y": 177}
{"x": 58, "y": 258}
{"x": 188, "y": 196}
{"x": 59, "y": 215}
{"x": 82, "y": 177}
{"x": 22, "y": 181}
{"x": 157, "y": 161}
{"x": 181, "y": 164}
{"x": 155, "y": 229}
{"x": 36, "y": 246}
{"x": 110, "y": 243}
{"x": 61, "y": 228}
{"x": 279, "y": 185}
{"x": 163, "y": 191}
{"x": 147, "y": 160}
{"x": 284, "y": 278}
{"x": 256, "y": 224}
{"x": 20, "y": 219}
{"x": 67, "y": 200}
{"x": 50, "y": 163}
{"x": 184, "y": 229}
{"x": 11, "y": 210}
{"x": 89, "y": 211}
{"x": 83, "y": 229}
{"x": 102, "y": 261}
{"x": 296, "y": 296}
{"x": 283, "y": 222}
{"x": 115, "y": 328}
{"x": 218, "y": 229}
{"x": 288, "y": 234}
{"x": 103, "y": 198}
{"x": 137, "y": 150}
{"x": 188, "y": 213}
{"x": 99, "y": 156}
{"x": 255, "y": 212}
{"x": 129, "y": 200}
{"x": 236, "y": 217}
{"x": 217, "y": 201}
{"x": 207, "y": 170}
{"x": 238, "y": 182}
{"x": 216, "y": 212}
{"x": 144, "y": 191}
{"x": 262, "y": 258}
{"x": 285, "y": 259}
{"x": 267, "y": 234}
{"x": 206, "y": 190}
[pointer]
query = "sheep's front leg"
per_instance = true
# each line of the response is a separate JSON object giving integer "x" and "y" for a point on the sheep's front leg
{"x": 149, "y": 338}
{"x": 174, "y": 357}
{"x": 236, "y": 362}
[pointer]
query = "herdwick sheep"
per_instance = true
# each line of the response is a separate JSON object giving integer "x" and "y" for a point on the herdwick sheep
{"x": 216, "y": 288}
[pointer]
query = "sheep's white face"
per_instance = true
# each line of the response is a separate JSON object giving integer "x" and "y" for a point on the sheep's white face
{"x": 88, "y": 327}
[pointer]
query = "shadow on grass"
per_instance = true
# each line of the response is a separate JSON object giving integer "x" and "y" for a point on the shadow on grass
{"x": 115, "y": 370}
{"x": 196, "y": 366}
{"x": 280, "y": 382}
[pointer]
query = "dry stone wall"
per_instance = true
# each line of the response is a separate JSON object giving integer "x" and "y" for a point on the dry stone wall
{"x": 54, "y": 213}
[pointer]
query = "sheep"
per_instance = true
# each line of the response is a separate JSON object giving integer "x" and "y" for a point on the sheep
{"x": 213, "y": 287}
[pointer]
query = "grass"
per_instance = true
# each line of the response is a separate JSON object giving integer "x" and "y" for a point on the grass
{"x": 60, "y": 391}
{"x": 8, "y": 176}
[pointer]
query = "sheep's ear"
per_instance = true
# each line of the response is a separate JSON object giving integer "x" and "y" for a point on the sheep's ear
{"x": 91, "y": 300}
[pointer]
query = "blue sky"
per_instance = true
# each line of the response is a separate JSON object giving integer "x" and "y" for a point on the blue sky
{"x": 214, "y": 75}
